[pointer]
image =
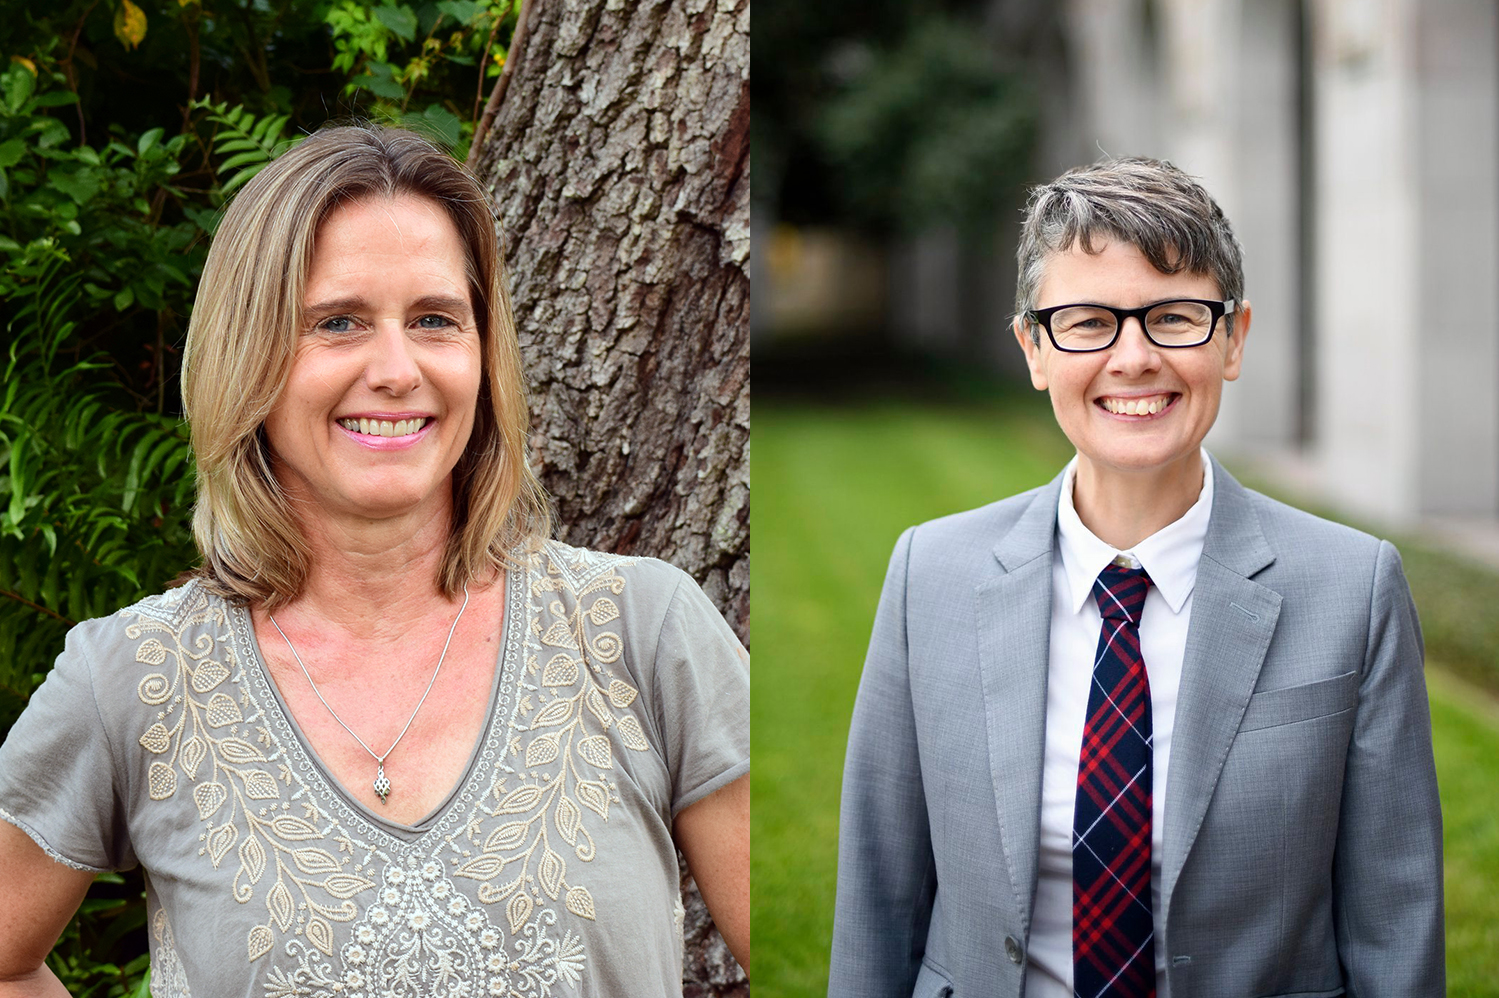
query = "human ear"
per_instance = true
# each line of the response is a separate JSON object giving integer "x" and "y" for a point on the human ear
{"x": 1032, "y": 352}
{"x": 1233, "y": 358}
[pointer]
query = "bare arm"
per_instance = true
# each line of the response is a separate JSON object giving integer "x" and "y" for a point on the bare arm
{"x": 40, "y": 895}
{"x": 714, "y": 836}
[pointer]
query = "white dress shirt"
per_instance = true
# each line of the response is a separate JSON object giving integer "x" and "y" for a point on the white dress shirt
{"x": 1170, "y": 557}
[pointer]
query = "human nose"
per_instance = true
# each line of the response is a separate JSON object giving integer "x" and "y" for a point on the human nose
{"x": 392, "y": 366}
{"x": 1133, "y": 353}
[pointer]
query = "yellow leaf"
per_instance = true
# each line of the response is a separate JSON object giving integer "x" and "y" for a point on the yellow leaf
{"x": 156, "y": 739}
{"x": 280, "y": 904}
{"x": 558, "y": 636}
{"x": 518, "y": 910}
{"x": 30, "y": 66}
{"x": 550, "y": 872}
{"x": 594, "y": 797}
{"x": 621, "y": 694}
{"x": 260, "y": 941}
{"x": 346, "y": 885}
{"x": 507, "y": 836}
{"x": 522, "y": 798}
{"x": 130, "y": 24}
{"x": 208, "y": 797}
{"x": 219, "y": 841}
{"x": 315, "y": 861}
{"x": 580, "y": 902}
{"x": 318, "y": 929}
{"x": 567, "y": 818}
{"x": 252, "y": 859}
{"x": 208, "y": 675}
{"x": 260, "y": 785}
{"x": 223, "y": 710}
{"x": 192, "y": 754}
{"x": 542, "y": 750}
{"x": 483, "y": 867}
{"x": 562, "y": 670}
{"x": 595, "y": 750}
{"x": 556, "y": 712}
{"x": 240, "y": 751}
{"x": 631, "y": 735}
{"x": 161, "y": 781}
{"x": 603, "y": 610}
{"x": 293, "y": 828}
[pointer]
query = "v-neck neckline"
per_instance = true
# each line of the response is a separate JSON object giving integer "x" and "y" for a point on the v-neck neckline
{"x": 332, "y": 789}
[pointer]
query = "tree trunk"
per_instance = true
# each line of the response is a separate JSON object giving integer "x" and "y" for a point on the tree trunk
{"x": 619, "y": 162}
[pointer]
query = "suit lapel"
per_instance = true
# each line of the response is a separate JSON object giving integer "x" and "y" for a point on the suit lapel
{"x": 1233, "y": 618}
{"x": 1013, "y": 614}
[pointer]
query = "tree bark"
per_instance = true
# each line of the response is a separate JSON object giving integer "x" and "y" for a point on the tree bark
{"x": 619, "y": 162}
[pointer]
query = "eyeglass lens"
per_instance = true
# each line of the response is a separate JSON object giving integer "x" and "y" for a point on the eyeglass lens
{"x": 1171, "y": 323}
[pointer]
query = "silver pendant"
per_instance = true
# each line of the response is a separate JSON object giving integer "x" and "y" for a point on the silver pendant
{"x": 382, "y": 785}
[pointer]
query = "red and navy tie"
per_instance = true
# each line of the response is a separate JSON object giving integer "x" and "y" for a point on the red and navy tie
{"x": 1113, "y": 941}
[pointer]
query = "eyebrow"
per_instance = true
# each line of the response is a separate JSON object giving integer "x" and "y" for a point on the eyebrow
{"x": 355, "y": 304}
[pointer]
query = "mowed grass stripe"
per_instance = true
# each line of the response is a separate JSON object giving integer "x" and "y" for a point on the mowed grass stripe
{"x": 834, "y": 488}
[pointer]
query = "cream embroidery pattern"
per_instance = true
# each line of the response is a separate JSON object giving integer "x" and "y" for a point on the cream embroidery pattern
{"x": 492, "y": 899}
{"x": 236, "y": 773}
{"x": 560, "y": 753}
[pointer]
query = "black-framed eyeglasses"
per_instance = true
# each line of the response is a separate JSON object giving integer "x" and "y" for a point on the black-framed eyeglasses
{"x": 1175, "y": 324}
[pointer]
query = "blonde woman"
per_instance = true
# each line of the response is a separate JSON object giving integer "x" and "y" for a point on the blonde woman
{"x": 390, "y": 739}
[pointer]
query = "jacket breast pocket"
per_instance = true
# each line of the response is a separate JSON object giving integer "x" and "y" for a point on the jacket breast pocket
{"x": 930, "y": 983}
{"x": 1272, "y": 708}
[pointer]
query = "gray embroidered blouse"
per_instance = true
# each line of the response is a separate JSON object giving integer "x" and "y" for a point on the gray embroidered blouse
{"x": 621, "y": 697}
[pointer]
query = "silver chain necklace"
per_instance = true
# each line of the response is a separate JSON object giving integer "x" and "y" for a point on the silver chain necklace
{"x": 382, "y": 785}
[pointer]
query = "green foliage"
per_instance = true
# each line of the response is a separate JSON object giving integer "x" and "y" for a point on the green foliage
{"x": 247, "y": 143}
{"x": 929, "y": 132}
{"x": 411, "y": 56}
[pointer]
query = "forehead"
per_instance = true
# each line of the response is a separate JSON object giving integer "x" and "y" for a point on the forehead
{"x": 1115, "y": 273}
{"x": 376, "y": 227}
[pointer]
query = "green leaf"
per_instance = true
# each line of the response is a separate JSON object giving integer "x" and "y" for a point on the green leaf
{"x": 57, "y": 98}
{"x": 240, "y": 178}
{"x": 81, "y": 185}
{"x": 124, "y": 299}
{"x": 380, "y": 82}
{"x": 11, "y": 152}
{"x": 148, "y": 141}
{"x": 461, "y": 11}
{"x": 400, "y": 20}
{"x": 254, "y": 156}
{"x": 19, "y": 86}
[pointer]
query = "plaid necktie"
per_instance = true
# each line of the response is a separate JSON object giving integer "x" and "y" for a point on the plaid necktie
{"x": 1113, "y": 945}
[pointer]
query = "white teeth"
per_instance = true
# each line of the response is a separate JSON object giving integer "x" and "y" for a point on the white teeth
{"x": 1137, "y": 406}
{"x": 383, "y": 427}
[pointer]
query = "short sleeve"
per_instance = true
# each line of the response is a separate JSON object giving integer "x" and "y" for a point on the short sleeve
{"x": 702, "y": 689}
{"x": 57, "y": 773}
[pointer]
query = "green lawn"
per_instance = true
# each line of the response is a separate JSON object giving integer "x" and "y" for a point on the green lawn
{"x": 834, "y": 488}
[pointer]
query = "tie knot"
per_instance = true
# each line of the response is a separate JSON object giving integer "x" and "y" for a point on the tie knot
{"x": 1120, "y": 593}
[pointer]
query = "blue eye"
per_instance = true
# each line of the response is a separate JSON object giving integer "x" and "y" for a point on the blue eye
{"x": 337, "y": 324}
{"x": 433, "y": 322}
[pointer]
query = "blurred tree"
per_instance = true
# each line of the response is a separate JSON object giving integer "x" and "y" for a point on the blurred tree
{"x": 893, "y": 117}
{"x": 619, "y": 160}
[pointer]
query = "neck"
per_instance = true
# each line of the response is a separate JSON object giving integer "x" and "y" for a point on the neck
{"x": 1123, "y": 507}
{"x": 373, "y": 575}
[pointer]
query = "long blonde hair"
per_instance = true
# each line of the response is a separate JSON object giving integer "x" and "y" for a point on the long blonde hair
{"x": 243, "y": 336}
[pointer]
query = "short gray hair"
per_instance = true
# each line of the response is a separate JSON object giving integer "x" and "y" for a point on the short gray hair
{"x": 1150, "y": 204}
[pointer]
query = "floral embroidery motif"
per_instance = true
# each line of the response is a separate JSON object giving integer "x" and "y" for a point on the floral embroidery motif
{"x": 168, "y": 979}
{"x": 218, "y": 741}
{"x": 491, "y": 900}
{"x": 564, "y": 716}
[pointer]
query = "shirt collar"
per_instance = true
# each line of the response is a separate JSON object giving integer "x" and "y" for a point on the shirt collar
{"x": 1169, "y": 556}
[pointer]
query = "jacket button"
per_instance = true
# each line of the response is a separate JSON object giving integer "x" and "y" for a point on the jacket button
{"x": 1013, "y": 950}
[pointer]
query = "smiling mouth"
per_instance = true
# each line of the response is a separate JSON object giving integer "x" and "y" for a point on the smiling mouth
{"x": 1147, "y": 405}
{"x": 385, "y": 427}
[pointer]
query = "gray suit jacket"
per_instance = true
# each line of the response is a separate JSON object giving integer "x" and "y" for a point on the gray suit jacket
{"x": 1303, "y": 849}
